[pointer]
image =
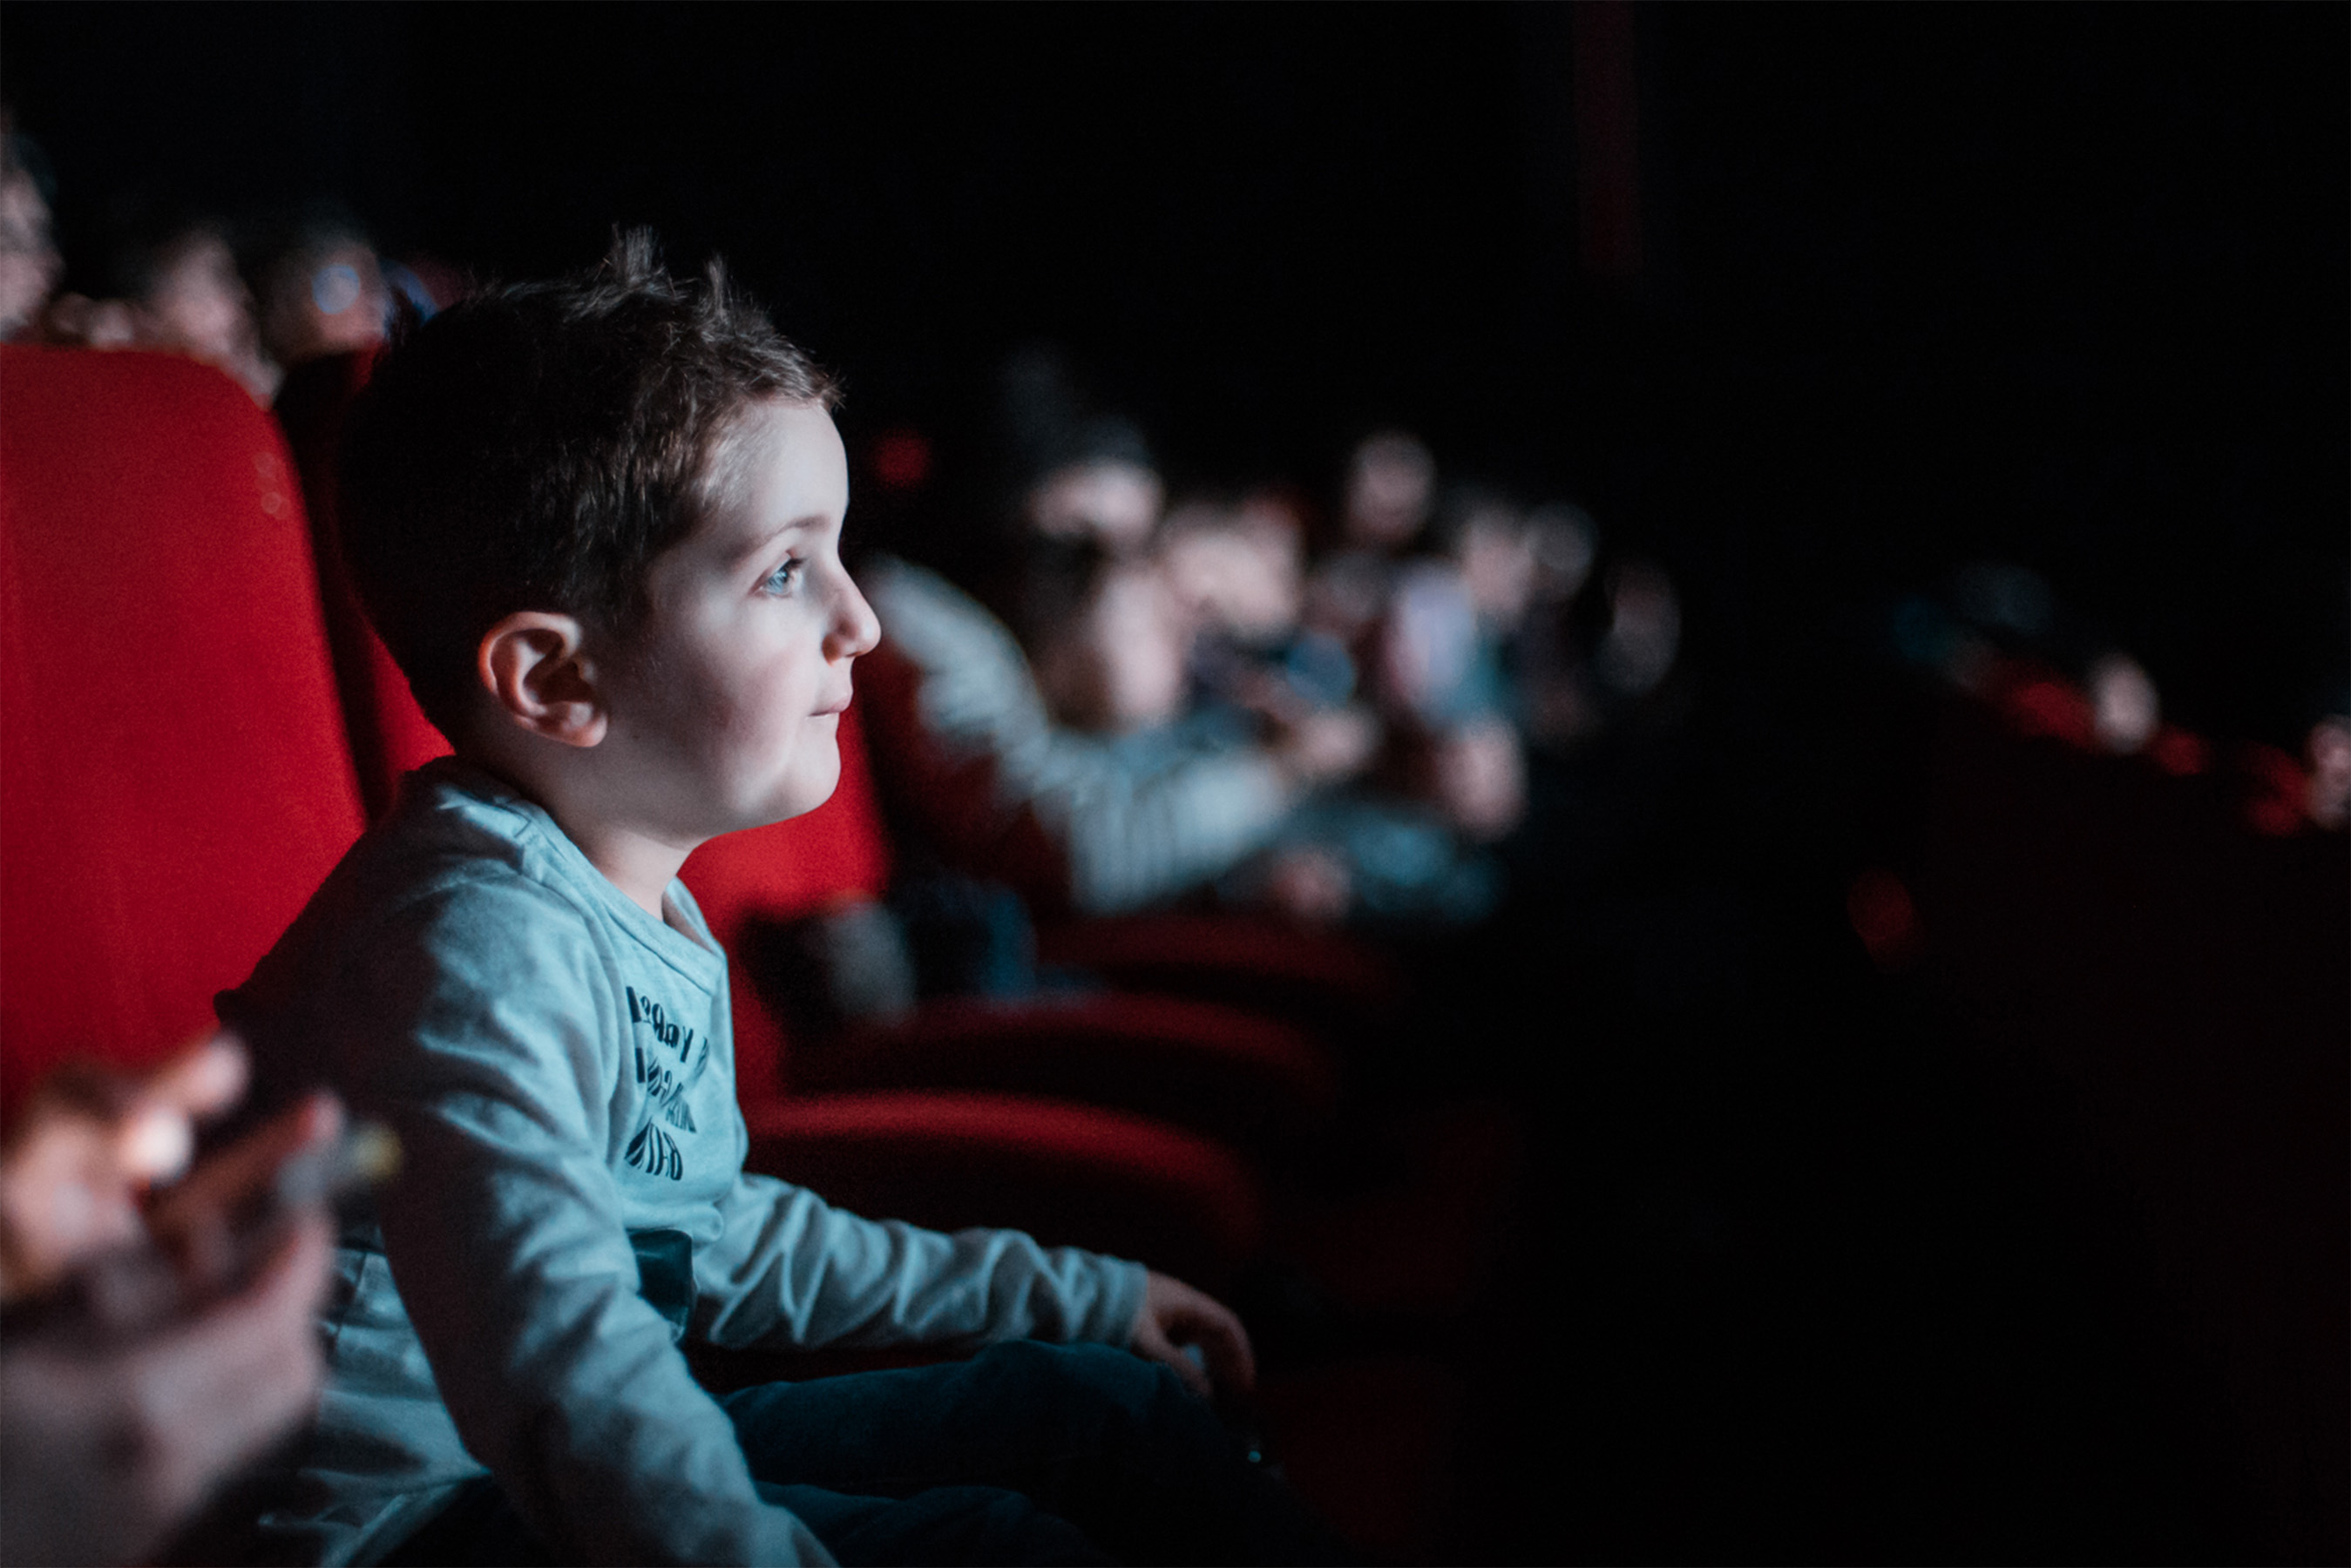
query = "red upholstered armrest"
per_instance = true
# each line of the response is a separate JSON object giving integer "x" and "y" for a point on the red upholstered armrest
{"x": 1066, "y": 1174}
{"x": 1235, "y": 1075}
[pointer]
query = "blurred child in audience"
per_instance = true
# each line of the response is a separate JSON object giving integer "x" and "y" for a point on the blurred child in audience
{"x": 1037, "y": 747}
{"x": 1441, "y": 647}
{"x": 190, "y": 298}
{"x": 322, "y": 291}
{"x": 1387, "y": 494}
{"x": 1069, "y": 473}
{"x": 29, "y": 262}
{"x": 175, "y": 286}
{"x": 1554, "y": 706}
{"x": 1116, "y": 663}
{"x": 1239, "y": 568}
{"x": 1401, "y": 624}
{"x": 167, "y": 283}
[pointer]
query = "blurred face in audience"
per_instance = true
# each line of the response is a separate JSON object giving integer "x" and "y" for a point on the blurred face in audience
{"x": 28, "y": 257}
{"x": 1391, "y": 480}
{"x": 199, "y": 305}
{"x": 1497, "y": 561}
{"x": 329, "y": 299}
{"x": 1240, "y": 572}
{"x": 1114, "y": 504}
{"x": 1120, "y": 664}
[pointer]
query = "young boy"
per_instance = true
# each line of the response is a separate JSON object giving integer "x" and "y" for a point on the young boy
{"x": 597, "y": 522}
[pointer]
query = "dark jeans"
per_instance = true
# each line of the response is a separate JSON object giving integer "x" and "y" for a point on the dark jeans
{"x": 1026, "y": 1453}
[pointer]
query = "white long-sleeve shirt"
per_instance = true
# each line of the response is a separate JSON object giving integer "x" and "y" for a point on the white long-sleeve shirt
{"x": 558, "y": 1066}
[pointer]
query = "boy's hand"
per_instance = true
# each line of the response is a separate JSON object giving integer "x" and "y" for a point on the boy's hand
{"x": 1175, "y": 1315}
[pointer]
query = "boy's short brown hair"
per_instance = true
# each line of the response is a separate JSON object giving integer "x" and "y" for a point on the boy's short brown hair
{"x": 536, "y": 446}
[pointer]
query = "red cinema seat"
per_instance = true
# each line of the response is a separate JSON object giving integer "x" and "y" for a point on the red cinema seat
{"x": 1236, "y": 1075}
{"x": 1321, "y": 980}
{"x": 964, "y": 1157}
{"x": 389, "y": 733}
{"x": 1333, "y": 985}
{"x": 173, "y": 777}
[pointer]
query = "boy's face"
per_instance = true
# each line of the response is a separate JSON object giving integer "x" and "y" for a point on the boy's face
{"x": 722, "y": 707}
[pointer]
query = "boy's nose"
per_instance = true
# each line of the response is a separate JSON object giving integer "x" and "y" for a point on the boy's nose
{"x": 855, "y": 628}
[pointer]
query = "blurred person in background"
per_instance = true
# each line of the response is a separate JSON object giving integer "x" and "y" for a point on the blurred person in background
{"x": 2328, "y": 751}
{"x": 191, "y": 299}
{"x": 1117, "y": 661}
{"x": 322, "y": 290}
{"x": 1068, "y": 474}
{"x": 1237, "y": 568}
{"x": 156, "y": 1330}
{"x": 1403, "y": 846}
{"x": 1440, "y": 662}
{"x": 172, "y": 286}
{"x": 1556, "y": 704}
{"x": 168, "y": 284}
{"x": 1385, "y": 498}
{"x": 1028, "y": 743}
{"x": 29, "y": 262}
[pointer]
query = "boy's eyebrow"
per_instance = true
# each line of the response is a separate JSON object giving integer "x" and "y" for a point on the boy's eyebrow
{"x": 766, "y": 542}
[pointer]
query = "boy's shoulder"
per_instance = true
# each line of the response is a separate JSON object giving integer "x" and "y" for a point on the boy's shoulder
{"x": 457, "y": 837}
{"x": 467, "y": 898}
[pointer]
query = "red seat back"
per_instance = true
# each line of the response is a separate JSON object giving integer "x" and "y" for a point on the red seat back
{"x": 174, "y": 782}
{"x": 389, "y": 732}
{"x": 836, "y": 853}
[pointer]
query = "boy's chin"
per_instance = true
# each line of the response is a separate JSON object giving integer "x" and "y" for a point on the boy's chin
{"x": 802, "y": 795}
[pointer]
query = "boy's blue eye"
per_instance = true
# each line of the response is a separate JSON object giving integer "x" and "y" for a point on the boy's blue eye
{"x": 781, "y": 579}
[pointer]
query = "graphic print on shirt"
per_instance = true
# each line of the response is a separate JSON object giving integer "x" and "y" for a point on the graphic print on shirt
{"x": 669, "y": 1060}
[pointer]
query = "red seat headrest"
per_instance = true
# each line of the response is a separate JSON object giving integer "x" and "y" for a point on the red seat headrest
{"x": 173, "y": 777}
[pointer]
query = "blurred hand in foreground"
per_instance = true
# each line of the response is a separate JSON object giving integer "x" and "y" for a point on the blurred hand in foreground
{"x": 75, "y": 1169}
{"x": 155, "y": 1340}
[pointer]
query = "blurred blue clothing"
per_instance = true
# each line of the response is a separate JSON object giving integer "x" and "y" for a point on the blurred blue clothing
{"x": 1132, "y": 825}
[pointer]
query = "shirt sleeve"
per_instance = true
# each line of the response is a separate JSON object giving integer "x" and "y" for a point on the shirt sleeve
{"x": 969, "y": 721}
{"x": 790, "y": 1269}
{"x": 1131, "y": 841}
{"x": 475, "y": 1033}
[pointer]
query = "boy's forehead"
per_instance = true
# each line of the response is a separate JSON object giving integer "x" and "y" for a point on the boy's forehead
{"x": 777, "y": 462}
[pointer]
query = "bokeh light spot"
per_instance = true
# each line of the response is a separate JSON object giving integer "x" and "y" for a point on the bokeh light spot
{"x": 1884, "y": 918}
{"x": 902, "y": 460}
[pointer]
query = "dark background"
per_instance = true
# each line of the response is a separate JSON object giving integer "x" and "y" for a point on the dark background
{"x": 2062, "y": 285}
{"x": 1802, "y": 1272}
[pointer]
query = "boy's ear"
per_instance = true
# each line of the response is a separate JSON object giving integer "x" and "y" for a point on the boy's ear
{"x": 532, "y": 665}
